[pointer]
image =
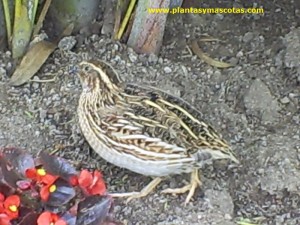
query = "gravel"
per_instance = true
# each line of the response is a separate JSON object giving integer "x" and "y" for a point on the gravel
{"x": 255, "y": 105}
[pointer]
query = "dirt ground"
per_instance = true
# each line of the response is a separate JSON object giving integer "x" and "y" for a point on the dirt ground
{"x": 255, "y": 105}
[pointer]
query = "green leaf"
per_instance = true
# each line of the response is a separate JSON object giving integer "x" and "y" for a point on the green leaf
{"x": 7, "y": 19}
{"x": 25, "y": 11}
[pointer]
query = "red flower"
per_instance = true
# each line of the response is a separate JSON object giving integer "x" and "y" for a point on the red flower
{"x": 39, "y": 175}
{"x": 49, "y": 218}
{"x": 4, "y": 218}
{"x": 46, "y": 180}
{"x": 48, "y": 187}
{"x": 11, "y": 206}
{"x": 91, "y": 184}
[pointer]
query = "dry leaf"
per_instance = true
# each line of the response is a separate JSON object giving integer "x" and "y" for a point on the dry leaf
{"x": 196, "y": 49}
{"x": 32, "y": 62}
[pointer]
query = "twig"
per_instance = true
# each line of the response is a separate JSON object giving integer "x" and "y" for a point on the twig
{"x": 117, "y": 19}
{"x": 197, "y": 50}
{"x": 44, "y": 81}
{"x": 39, "y": 23}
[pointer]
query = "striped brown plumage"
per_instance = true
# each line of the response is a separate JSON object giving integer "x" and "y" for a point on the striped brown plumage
{"x": 145, "y": 129}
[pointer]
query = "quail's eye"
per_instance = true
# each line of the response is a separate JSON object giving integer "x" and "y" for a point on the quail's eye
{"x": 86, "y": 69}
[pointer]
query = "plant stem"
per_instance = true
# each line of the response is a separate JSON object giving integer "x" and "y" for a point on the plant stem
{"x": 41, "y": 18}
{"x": 126, "y": 19}
{"x": 7, "y": 21}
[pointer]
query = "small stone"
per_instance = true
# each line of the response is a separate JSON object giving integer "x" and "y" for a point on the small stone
{"x": 67, "y": 43}
{"x": 272, "y": 70}
{"x": 260, "y": 99}
{"x": 260, "y": 171}
{"x": 256, "y": 16}
{"x": 239, "y": 54}
{"x": 285, "y": 100}
{"x": 9, "y": 66}
{"x": 219, "y": 16}
{"x": 292, "y": 43}
{"x": 94, "y": 37}
{"x": 278, "y": 10}
{"x": 167, "y": 69}
{"x": 35, "y": 85}
{"x": 160, "y": 60}
{"x": 8, "y": 53}
{"x": 227, "y": 216}
{"x": 132, "y": 57}
{"x": 3, "y": 110}
{"x": 279, "y": 60}
{"x": 2, "y": 72}
{"x": 296, "y": 137}
{"x": 43, "y": 115}
{"x": 248, "y": 37}
{"x": 116, "y": 47}
{"x": 38, "y": 38}
{"x": 209, "y": 71}
{"x": 184, "y": 70}
{"x": 233, "y": 61}
{"x": 152, "y": 58}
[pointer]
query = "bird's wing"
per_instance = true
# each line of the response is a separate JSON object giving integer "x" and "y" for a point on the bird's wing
{"x": 175, "y": 121}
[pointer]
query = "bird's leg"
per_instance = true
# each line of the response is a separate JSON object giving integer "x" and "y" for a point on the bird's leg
{"x": 191, "y": 187}
{"x": 144, "y": 192}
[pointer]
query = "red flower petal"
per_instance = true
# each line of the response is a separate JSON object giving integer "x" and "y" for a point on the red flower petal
{"x": 85, "y": 178}
{"x": 45, "y": 193}
{"x": 98, "y": 185}
{"x": 91, "y": 184}
{"x": 12, "y": 200}
{"x": 47, "y": 218}
{"x": 2, "y": 209}
{"x": 73, "y": 180}
{"x": 4, "y": 219}
{"x": 97, "y": 176}
{"x": 60, "y": 222}
{"x": 40, "y": 175}
{"x": 2, "y": 197}
{"x": 11, "y": 205}
{"x": 31, "y": 173}
{"x": 98, "y": 188}
{"x": 49, "y": 179}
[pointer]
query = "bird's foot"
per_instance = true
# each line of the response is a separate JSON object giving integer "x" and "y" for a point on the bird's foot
{"x": 191, "y": 187}
{"x": 132, "y": 195}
